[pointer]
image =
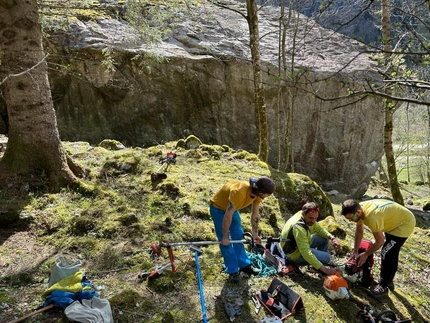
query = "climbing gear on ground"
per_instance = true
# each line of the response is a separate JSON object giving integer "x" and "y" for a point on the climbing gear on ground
{"x": 170, "y": 159}
{"x": 260, "y": 263}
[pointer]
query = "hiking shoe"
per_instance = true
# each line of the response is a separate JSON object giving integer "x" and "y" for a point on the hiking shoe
{"x": 234, "y": 278}
{"x": 391, "y": 286}
{"x": 378, "y": 291}
{"x": 250, "y": 270}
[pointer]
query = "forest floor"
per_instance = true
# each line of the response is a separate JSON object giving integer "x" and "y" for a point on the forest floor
{"x": 47, "y": 229}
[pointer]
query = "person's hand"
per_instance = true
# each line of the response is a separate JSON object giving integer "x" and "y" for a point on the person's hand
{"x": 225, "y": 241}
{"x": 257, "y": 239}
{"x": 361, "y": 259}
{"x": 354, "y": 256}
{"x": 329, "y": 270}
{"x": 336, "y": 245}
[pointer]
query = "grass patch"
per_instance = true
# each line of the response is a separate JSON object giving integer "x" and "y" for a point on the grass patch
{"x": 111, "y": 231}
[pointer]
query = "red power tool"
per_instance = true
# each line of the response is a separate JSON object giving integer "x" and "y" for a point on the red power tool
{"x": 362, "y": 274}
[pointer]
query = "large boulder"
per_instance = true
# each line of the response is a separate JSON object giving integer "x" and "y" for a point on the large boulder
{"x": 202, "y": 85}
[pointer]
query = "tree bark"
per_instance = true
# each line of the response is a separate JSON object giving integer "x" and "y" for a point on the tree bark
{"x": 260, "y": 104}
{"x": 389, "y": 110}
{"x": 34, "y": 145}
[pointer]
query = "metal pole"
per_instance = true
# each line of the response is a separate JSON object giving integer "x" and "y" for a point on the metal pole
{"x": 197, "y": 252}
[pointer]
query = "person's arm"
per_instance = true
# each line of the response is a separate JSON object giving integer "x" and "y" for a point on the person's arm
{"x": 359, "y": 229}
{"x": 226, "y": 222}
{"x": 305, "y": 251}
{"x": 255, "y": 220}
{"x": 379, "y": 241}
{"x": 327, "y": 235}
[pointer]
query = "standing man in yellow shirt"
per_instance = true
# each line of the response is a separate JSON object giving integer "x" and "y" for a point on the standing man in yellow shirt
{"x": 383, "y": 217}
{"x": 224, "y": 206}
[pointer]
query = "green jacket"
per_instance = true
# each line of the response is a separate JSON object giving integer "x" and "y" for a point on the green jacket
{"x": 300, "y": 239}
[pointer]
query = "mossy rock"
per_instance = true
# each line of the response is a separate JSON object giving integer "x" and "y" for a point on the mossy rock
{"x": 125, "y": 300}
{"x": 332, "y": 226}
{"x": 111, "y": 144}
{"x": 215, "y": 151}
{"x": 297, "y": 189}
{"x": 246, "y": 155}
{"x": 192, "y": 142}
{"x": 82, "y": 224}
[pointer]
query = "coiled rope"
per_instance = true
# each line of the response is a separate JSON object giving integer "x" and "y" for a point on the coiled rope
{"x": 259, "y": 262}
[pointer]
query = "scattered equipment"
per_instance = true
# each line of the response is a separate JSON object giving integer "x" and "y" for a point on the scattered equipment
{"x": 198, "y": 252}
{"x": 156, "y": 248}
{"x": 170, "y": 159}
{"x": 280, "y": 300}
{"x": 363, "y": 275}
{"x": 247, "y": 239}
{"x": 153, "y": 274}
{"x": 336, "y": 287}
{"x": 368, "y": 315}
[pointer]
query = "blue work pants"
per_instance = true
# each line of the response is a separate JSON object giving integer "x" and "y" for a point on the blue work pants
{"x": 234, "y": 254}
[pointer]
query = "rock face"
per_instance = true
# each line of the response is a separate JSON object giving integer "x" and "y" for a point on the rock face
{"x": 203, "y": 86}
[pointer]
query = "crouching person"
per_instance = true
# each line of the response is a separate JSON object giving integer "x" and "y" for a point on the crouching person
{"x": 304, "y": 241}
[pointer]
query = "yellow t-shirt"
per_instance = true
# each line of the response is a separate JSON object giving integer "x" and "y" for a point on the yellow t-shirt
{"x": 388, "y": 216}
{"x": 237, "y": 192}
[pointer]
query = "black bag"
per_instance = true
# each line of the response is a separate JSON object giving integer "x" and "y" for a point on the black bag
{"x": 280, "y": 300}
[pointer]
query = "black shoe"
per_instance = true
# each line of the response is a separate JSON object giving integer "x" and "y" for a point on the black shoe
{"x": 234, "y": 278}
{"x": 378, "y": 291}
{"x": 391, "y": 286}
{"x": 250, "y": 270}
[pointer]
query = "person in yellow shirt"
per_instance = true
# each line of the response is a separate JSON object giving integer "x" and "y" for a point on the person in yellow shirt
{"x": 305, "y": 241}
{"x": 224, "y": 205}
{"x": 383, "y": 217}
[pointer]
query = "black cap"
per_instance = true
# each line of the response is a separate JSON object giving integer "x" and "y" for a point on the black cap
{"x": 264, "y": 185}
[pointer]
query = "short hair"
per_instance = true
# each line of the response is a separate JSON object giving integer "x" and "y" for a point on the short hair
{"x": 349, "y": 206}
{"x": 309, "y": 207}
{"x": 264, "y": 185}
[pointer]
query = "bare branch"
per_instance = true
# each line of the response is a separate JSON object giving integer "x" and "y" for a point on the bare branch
{"x": 24, "y": 72}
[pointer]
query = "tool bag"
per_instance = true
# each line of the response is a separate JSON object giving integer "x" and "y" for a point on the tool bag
{"x": 282, "y": 265}
{"x": 280, "y": 300}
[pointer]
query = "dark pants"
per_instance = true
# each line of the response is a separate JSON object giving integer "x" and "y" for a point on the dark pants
{"x": 390, "y": 258}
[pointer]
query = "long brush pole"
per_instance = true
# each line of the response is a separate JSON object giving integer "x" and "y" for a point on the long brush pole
{"x": 199, "y": 278}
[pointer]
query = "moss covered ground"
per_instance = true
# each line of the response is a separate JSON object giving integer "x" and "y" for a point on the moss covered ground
{"x": 111, "y": 227}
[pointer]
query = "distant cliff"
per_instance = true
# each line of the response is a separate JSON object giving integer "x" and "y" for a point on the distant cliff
{"x": 203, "y": 86}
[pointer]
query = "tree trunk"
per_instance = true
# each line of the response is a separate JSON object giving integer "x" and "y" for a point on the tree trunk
{"x": 34, "y": 145}
{"x": 260, "y": 104}
{"x": 389, "y": 110}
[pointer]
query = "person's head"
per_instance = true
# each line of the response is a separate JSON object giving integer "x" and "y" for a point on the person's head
{"x": 351, "y": 210}
{"x": 262, "y": 187}
{"x": 310, "y": 212}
